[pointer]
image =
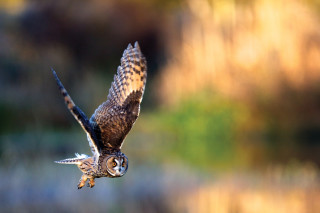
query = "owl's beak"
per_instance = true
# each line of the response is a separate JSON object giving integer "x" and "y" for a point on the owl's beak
{"x": 118, "y": 173}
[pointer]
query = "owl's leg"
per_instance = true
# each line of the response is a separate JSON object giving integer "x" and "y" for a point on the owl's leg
{"x": 91, "y": 182}
{"x": 82, "y": 181}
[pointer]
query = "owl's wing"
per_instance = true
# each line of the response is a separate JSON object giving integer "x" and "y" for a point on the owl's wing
{"x": 114, "y": 118}
{"x": 79, "y": 116}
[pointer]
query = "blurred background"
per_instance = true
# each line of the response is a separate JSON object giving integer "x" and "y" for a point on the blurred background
{"x": 230, "y": 120}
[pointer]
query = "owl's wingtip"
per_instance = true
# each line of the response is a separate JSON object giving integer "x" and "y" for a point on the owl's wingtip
{"x": 129, "y": 46}
{"x": 53, "y": 71}
{"x": 136, "y": 45}
{"x": 55, "y": 76}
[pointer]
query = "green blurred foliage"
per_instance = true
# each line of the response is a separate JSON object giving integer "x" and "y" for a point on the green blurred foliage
{"x": 200, "y": 131}
{"x": 170, "y": 146}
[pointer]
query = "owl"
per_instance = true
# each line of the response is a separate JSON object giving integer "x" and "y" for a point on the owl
{"x": 111, "y": 121}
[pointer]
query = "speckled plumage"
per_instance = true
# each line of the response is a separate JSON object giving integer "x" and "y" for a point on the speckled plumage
{"x": 111, "y": 121}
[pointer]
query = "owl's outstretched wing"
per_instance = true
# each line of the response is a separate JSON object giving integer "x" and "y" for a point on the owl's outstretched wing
{"x": 79, "y": 116}
{"x": 114, "y": 118}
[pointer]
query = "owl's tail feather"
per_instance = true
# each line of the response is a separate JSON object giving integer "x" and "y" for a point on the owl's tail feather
{"x": 69, "y": 161}
{"x": 77, "y": 160}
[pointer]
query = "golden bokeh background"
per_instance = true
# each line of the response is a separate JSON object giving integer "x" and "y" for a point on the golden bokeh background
{"x": 230, "y": 120}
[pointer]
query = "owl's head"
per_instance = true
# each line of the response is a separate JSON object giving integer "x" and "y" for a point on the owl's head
{"x": 117, "y": 165}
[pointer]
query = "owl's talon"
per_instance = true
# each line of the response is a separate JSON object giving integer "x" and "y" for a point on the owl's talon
{"x": 91, "y": 183}
{"x": 82, "y": 181}
{"x": 81, "y": 184}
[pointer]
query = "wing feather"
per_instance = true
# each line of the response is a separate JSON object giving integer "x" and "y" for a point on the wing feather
{"x": 114, "y": 118}
{"x": 79, "y": 116}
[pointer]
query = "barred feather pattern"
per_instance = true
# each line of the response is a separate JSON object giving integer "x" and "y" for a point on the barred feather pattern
{"x": 114, "y": 118}
{"x": 131, "y": 76}
{"x": 78, "y": 115}
{"x": 111, "y": 121}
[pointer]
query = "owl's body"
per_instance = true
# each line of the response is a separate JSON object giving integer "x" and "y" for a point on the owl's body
{"x": 111, "y": 121}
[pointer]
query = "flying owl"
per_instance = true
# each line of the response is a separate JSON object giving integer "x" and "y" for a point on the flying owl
{"x": 111, "y": 121}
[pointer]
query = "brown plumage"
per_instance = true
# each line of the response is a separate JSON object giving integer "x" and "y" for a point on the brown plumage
{"x": 112, "y": 120}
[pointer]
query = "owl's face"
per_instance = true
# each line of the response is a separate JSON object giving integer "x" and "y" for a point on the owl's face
{"x": 117, "y": 166}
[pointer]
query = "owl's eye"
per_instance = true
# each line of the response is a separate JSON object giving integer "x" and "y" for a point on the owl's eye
{"x": 114, "y": 164}
{"x": 123, "y": 164}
